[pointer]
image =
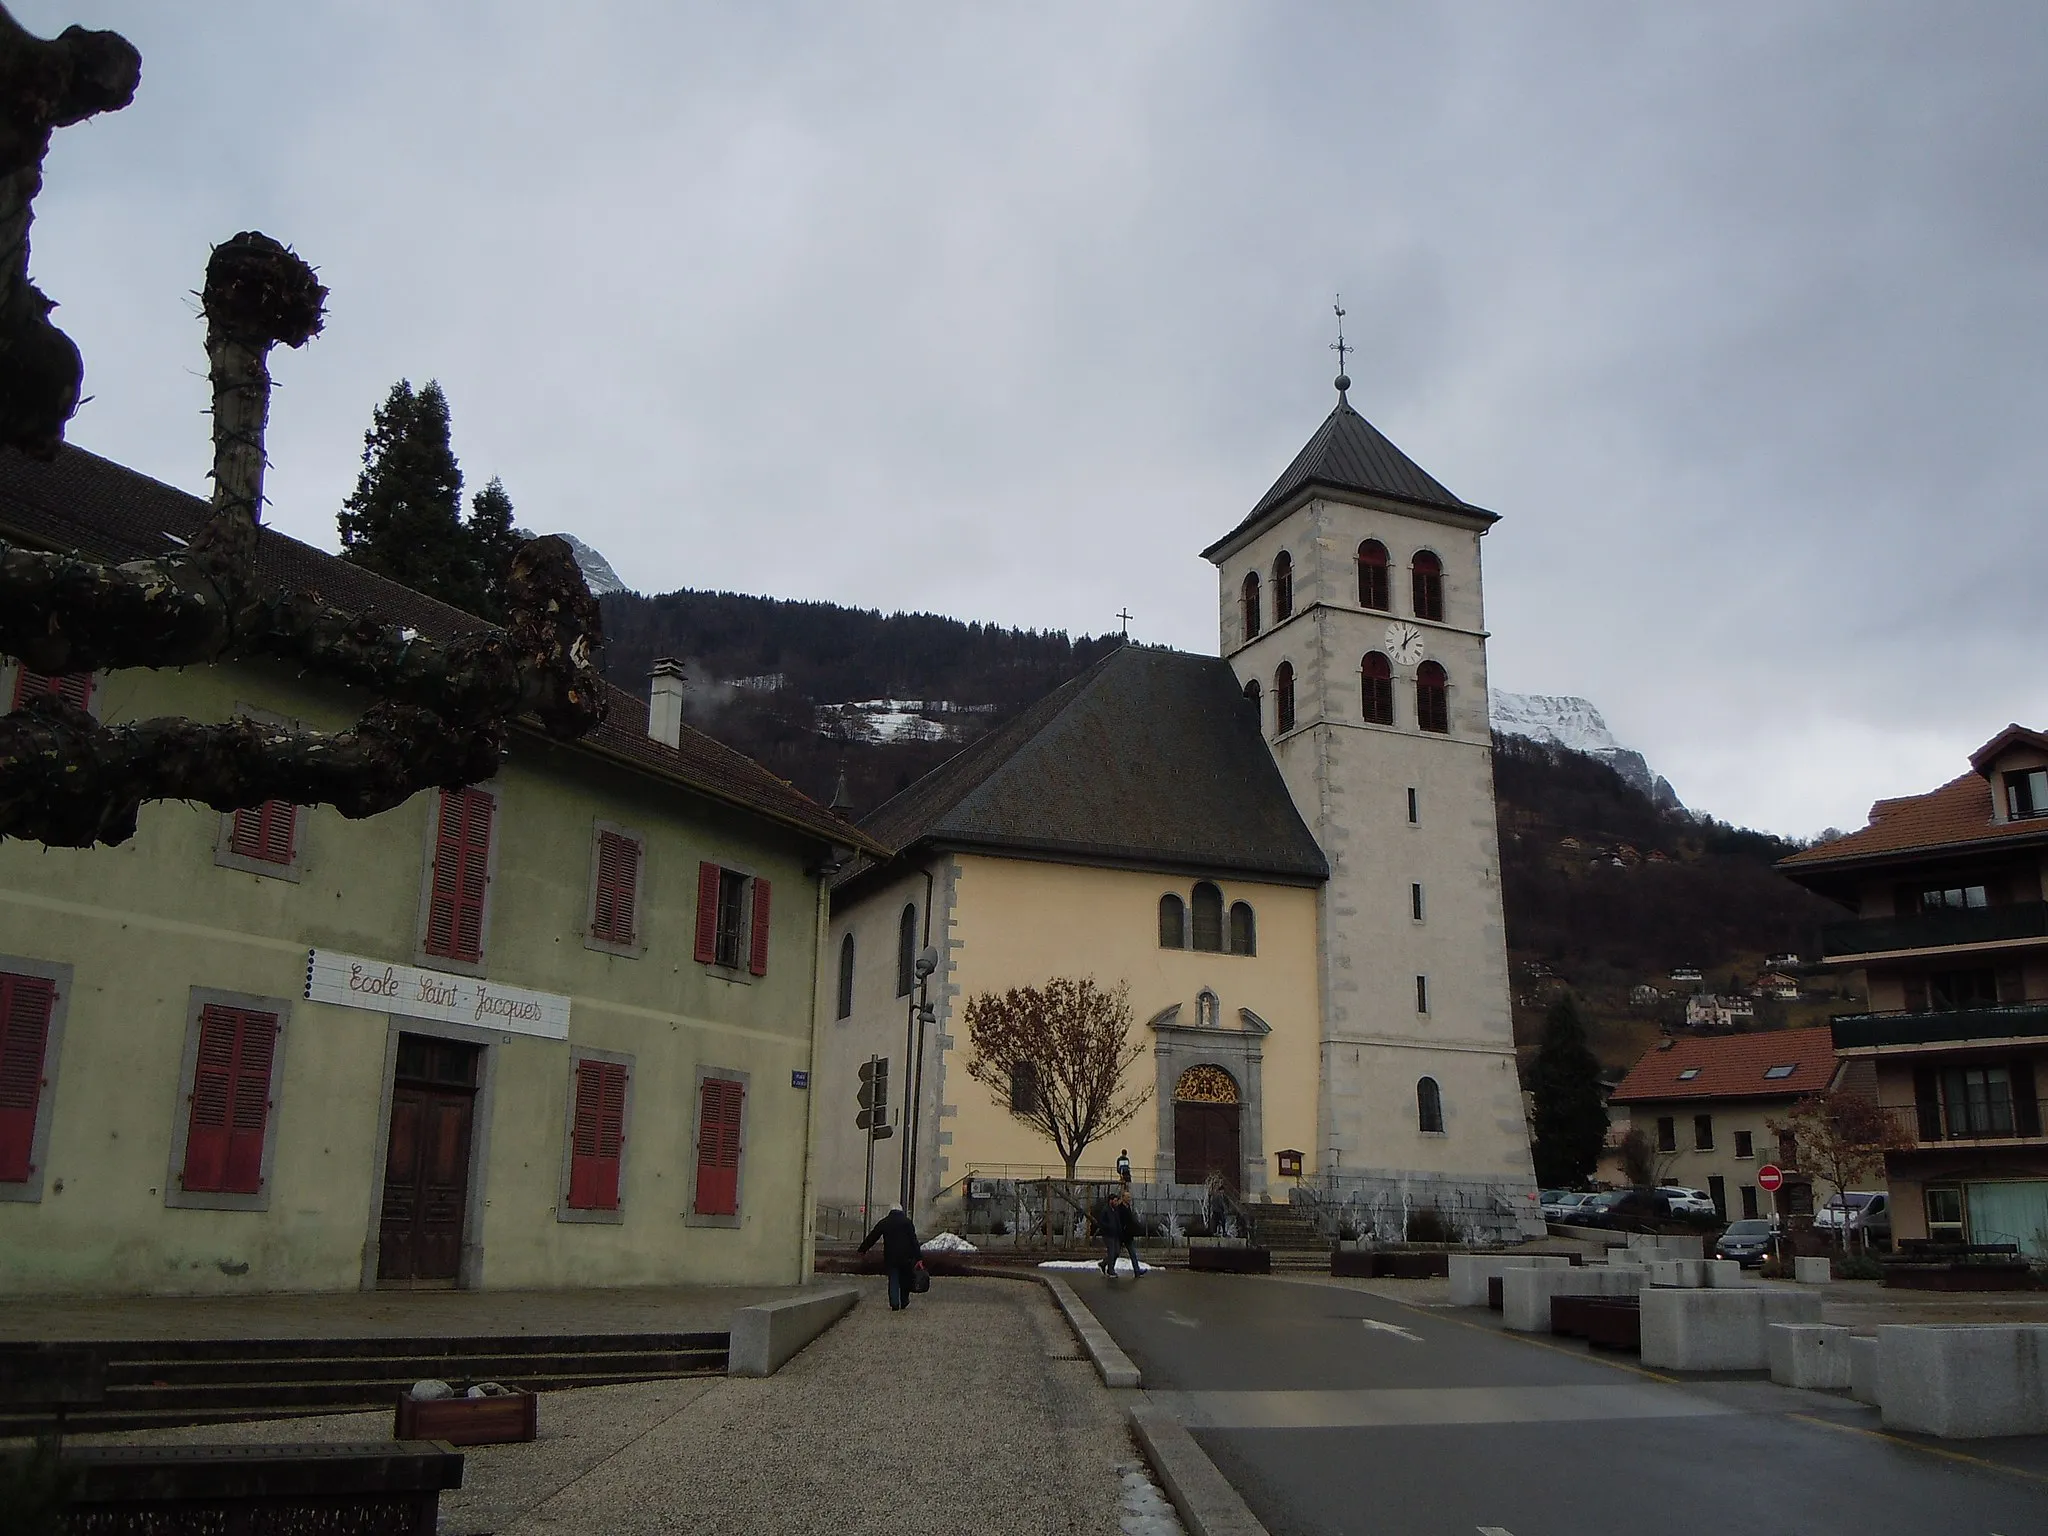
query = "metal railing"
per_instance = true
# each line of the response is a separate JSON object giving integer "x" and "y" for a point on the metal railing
{"x": 2002, "y": 1021}
{"x": 1941, "y": 928}
{"x": 1942, "y": 1124}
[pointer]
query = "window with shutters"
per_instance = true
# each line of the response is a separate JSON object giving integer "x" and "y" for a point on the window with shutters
{"x": 733, "y": 912}
{"x": 74, "y": 688}
{"x": 233, "y": 1056}
{"x": 459, "y": 877}
{"x": 1372, "y": 575}
{"x": 263, "y": 839}
{"x": 617, "y": 882}
{"x": 1432, "y": 697}
{"x": 32, "y": 999}
{"x": 1427, "y": 575}
{"x": 1376, "y": 689}
{"x": 721, "y": 1138}
{"x": 1283, "y": 586}
{"x": 1283, "y": 698}
{"x": 1248, "y": 605}
{"x": 599, "y": 1116}
{"x": 846, "y": 977}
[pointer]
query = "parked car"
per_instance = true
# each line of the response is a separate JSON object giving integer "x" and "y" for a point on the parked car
{"x": 1869, "y": 1214}
{"x": 1562, "y": 1204}
{"x": 1624, "y": 1209}
{"x": 1747, "y": 1242}
{"x": 1688, "y": 1202}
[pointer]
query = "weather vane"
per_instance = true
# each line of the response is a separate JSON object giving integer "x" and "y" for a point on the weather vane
{"x": 1338, "y": 347}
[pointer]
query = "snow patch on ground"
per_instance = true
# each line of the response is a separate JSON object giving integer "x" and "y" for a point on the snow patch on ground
{"x": 949, "y": 1242}
{"x": 1123, "y": 1266}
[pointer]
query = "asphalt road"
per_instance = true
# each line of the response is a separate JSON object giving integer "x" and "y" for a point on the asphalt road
{"x": 1339, "y": 1413}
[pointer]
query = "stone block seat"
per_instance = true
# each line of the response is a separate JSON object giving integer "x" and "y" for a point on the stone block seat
{"x": 1811, "y": 1355}
{"x": 1713, "y": 1330}
{"x": 1964, "y": 1381}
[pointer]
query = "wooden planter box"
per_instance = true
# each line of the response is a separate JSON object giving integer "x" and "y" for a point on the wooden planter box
{"x": 469, "y": 1420}
{"x": 1360, "y": 1264}
{"x": 1231, "y": 1261}
{"x": 1958, "y": 1277}
{"x": 1605, "y": 1322}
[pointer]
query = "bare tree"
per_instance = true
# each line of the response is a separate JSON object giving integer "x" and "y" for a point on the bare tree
{"x": 1840, "y": 1136}
{"x": 444, "y": 709}
{"x": 1055, "y": 1057}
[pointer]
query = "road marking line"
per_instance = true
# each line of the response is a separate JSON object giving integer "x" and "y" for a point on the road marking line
{"x": 1178, "y": 1320}
{"x": 1495, "y": 1530}
{"x": 1914, "y": 1445}
{"x": 1412, "y": 1338}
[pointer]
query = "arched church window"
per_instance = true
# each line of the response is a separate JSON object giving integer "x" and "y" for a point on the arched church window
{"x": 1205, "y": 1084}
{"x": 1208, "y": 1011}
{"x": 846, "y": 977}
{"x": 1173, "y": 922}
{"x": 1376, "y": 689}
{"x": 1208, "y": 924}
{"x": 1372, "y": 575}
{"x": 1283, "y": 698}
{"x": 1432, "y": 697}
{"x": 1248, "y": 600}
{"x": 1251, "y": 697}
{"x": 906, "y": 951}
{"x": 1283, "y": 586}
{"x": 1429, "y": 1106}
{"x": 1427, "y": 572}
{"x": 1244, "y": 936}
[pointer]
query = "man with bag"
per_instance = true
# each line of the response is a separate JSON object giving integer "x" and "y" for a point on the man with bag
{"x": 902, "y": 1256}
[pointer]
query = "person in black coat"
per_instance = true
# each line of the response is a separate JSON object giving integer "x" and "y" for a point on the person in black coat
{"x": 1120, "y": 1231}
{"x": 901, "y": 1251}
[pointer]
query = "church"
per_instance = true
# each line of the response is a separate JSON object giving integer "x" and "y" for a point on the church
{"x": 1286, "y": 856}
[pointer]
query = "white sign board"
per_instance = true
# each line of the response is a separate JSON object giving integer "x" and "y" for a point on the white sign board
{"x": 354, "y": 982}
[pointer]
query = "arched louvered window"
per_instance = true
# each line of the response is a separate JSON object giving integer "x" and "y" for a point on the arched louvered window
{"x": 1248, "y": 600}
{"x": 1283, "y": 698}
{"x": 1432, "y": 697}
{"x": 846, "y": 977}
{"x": 1372, "y": 575}
{"x": 1376, "y": 689}
{"x": 1283, "y": 586}
{"x": 1208, "y": 924}
{"x": 1244, "y": 935}
{"x": 1427, "y": 573}
{"x": 1173, "y": 922}
{"x": 1429, "y": 1106}
{"x": 1251, "y": 697}
{"x": 906, "y": 951}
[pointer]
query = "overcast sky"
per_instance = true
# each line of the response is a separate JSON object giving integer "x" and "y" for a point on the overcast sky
{"x": 1736, "y": 313}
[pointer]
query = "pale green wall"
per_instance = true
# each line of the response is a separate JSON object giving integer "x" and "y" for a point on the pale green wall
{"x": 143, "y": 923}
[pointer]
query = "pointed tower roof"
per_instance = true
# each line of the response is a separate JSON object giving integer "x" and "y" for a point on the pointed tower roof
{"x": 1348, "y": 453}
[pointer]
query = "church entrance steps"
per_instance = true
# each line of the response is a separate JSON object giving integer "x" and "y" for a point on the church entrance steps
{"x": 158, "y": 1383}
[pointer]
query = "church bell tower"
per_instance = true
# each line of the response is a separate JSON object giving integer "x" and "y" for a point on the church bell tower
{"x": 1351, "y": 610}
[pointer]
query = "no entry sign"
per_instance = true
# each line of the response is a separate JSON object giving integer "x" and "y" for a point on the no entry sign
{"x": 1770, "y": 1178}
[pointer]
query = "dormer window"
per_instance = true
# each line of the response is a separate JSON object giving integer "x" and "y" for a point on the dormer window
{"x": 1283, "y": 586}
{"x": 1248, "y": 602}
{"x": 2026, "y": 793}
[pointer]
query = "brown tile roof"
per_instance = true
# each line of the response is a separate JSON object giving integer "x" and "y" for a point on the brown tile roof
{"x": 1958, "y": 812}
{"x": 1731, "y": 1067}
{"x": 80, "y": 501}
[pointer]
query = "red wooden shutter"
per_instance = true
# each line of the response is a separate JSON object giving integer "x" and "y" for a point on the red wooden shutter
{"x": 597, "y": 1141}
{"x": 266, "y": 832}
{"x": 25, "y": 1004}
{"x": 618, "y": 878}
{"x": 757, "y": 946}
{"x": 718, "y": 1147}
{"x": 230, "y": 1101}
{"x": 707, "y": 913}
{"x": 462, "y": 856}
{"x": 74, "y": 688}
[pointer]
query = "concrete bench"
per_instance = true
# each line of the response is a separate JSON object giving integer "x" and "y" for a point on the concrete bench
{"x": 1813, "y": 1271}
{"x": 1709, "y": 1330}
{"x": 1471, "y": 1271}
{"x": 765, "y": 1337}
{"x": 1697, "y": 1274}
{"x": 1964, "y": 1381}
{"x": 1526, "y": 1293}
{"x": 1811, "y": 1355}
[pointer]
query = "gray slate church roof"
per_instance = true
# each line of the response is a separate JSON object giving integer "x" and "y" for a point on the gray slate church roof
{"x": 1348, "y": 453}
{"x": 1151, "y": 759}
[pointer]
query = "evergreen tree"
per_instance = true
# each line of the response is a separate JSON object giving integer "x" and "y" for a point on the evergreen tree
{"x": 1571, "y": 1121}
{"x": 493, "y": 542}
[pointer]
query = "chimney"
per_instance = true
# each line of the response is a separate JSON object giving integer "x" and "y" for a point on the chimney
{"x": 665, "y": 702}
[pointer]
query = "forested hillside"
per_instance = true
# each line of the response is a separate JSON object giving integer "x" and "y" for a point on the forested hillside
{"x": 1604, "y": 890}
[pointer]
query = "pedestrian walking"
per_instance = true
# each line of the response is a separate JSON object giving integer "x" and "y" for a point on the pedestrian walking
{"x": 1120, "y": 1232}
{"x": 901, "y": 1253}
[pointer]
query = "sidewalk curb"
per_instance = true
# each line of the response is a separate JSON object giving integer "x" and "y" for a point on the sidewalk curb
{"x": 1202, "y": 1496}
{"x": 1111, "y": 1363}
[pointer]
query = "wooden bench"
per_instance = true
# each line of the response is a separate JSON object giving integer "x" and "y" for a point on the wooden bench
{"x": 1922, "y": 1264}
{"x": 391, "y": 1486}
{"x": 1605, "y": 1322}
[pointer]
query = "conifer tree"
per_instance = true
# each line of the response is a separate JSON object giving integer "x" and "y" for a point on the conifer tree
{"x": 1571, "y": 1121}
{"x": 405, "y": 518}
{"x": 493, "y": 541}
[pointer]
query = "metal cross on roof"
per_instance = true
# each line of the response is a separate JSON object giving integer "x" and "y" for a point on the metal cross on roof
{"x": 1338, "y": 347}
{"x": 1125, "y": 615}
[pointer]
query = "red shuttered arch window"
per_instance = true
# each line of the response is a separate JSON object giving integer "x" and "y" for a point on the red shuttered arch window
{"x": 462, "y": 857}
{"x": 613, "y": 916}
{"x": 1376, "y": 689}
{"x": 268, "y": 832}
{"x": 1427, "y": 573}
{"x": 597, "y": 1140}
{"x": 74, "y": 688}
{"x": 1248, "y": 605}
{"x": 1432, "y": 697}
{"x": 1372, "y": 575}
{"x": 1283, "y": 698}
{"x": 230, "y": 1101}
{"x": 720, "y": 1102}
{"x": 26, "y": 1003}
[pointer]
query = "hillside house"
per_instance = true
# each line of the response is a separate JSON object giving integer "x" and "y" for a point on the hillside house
{"x": 1709, "y": 1010}
{"x": 1775, "y": 984}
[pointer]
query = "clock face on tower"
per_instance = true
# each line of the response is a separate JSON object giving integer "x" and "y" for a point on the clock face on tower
{"x": 1404, "y": 644}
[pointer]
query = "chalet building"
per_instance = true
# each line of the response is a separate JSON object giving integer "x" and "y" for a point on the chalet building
{"x": 552, "y": 1030}
{"x": 1951, "y": 931}
{"x": 1706, "y": 1104}
{"x": 1330, "y": 778}
{"x": 1709, "y": 1010}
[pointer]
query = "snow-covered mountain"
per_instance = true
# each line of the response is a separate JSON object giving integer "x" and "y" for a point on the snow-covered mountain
{"x": 1574, "y": 723}
{"x": 598, "y": 574}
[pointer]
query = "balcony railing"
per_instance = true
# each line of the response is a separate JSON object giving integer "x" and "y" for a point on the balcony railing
{"x": 1940, "y": 1125}
{"x": 2004, "y": 1021}
{"x": 1943, "y": 928}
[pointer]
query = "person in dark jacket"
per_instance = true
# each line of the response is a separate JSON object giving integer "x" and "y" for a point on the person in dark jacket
{"x": 900, "y": 1253}
{"x": 1120, "y": 1232}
